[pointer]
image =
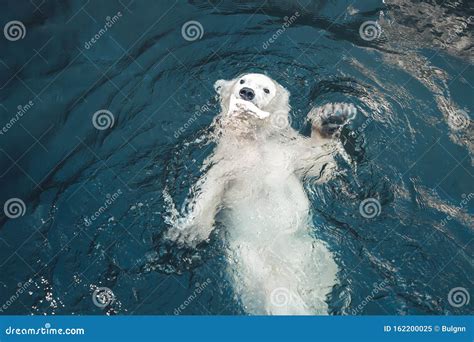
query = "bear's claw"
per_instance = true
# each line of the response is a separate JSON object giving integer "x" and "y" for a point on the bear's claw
{"x": 329, "y": 119}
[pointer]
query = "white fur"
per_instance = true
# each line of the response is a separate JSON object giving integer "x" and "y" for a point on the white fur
{"x": 254, "y": 177}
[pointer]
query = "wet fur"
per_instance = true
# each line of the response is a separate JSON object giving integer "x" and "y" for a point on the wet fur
{"x": 254, "y": 178}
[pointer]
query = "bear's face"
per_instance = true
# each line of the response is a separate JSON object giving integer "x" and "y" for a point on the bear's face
{"x": 262, "y": 92}
{"x": 258, "y": 89}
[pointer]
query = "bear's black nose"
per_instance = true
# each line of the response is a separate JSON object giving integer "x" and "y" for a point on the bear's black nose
{"x": 247, "y": 94}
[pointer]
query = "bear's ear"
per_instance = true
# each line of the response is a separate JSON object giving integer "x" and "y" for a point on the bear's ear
{"x": 222, "y": 86}
{"x": 281, "y": 101}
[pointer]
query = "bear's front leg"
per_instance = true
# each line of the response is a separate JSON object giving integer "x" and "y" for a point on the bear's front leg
{"x": 239, "y": 106}
{"x": 328, "y": 120}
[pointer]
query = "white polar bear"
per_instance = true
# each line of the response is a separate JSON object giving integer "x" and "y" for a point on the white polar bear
{"x": 254, "y": 178}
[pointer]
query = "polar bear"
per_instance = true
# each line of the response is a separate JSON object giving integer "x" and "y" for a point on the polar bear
{"x": 254, "y": 180}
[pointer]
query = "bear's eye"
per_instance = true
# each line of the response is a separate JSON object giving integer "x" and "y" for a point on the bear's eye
{"x": 266, "y": 90}
{"x": 242, "y": 81}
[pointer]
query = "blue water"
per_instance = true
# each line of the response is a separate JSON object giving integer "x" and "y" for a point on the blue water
{"x": 403, "y": 149}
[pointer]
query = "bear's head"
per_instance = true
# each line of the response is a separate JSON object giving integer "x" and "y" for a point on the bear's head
{"x": 263, "y": 92}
